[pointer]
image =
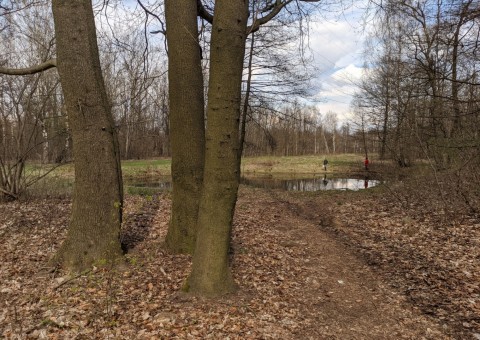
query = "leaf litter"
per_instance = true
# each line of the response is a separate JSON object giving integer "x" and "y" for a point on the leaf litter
{"x": 296, "y": 278}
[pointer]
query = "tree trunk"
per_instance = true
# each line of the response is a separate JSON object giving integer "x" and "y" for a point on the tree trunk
{"x": 186, "y": 122}
{"x": 210, "y": 274}
{"x": 246, "y": 100}
{"x": 327, "y": 149}
{"x": 456, "y": 126}
{"x": 93, "y": 234}
{"x": 385, "y": 117}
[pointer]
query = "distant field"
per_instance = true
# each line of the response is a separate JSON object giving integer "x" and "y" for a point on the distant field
{"x": 60, "y": 180}
{"x": 130, "y": 168}
{"x": 267, "y": 165}
{"x": 147, "y": 167}
{"x": 298, "y": 165}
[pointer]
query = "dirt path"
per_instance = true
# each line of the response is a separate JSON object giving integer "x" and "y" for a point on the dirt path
{"x": 426, "y": 255}
{"x": 296, "y": 280}
{"x": 340, "y": 294}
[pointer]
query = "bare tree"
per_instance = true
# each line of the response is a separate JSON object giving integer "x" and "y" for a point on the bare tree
{"x": 93, "y": 234}
{"x": 422, "y": 95}
{"x": 210, "y": 270}
{"x": 94, "y": 228}
{"x": 31, "y": 121}
{"x": 186, "y": 121}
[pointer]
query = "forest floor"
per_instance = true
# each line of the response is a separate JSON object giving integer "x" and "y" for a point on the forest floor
{"x": 336, "y": 265}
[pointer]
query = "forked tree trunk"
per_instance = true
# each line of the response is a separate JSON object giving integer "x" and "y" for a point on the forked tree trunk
{"x": 187, "y": 121}
{"x": 211, "y": 274}
{"x": 93, "y": 234}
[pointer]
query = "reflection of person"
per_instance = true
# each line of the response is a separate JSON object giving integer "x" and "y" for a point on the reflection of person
{"x": 325, "y": 182}
{"x": 325, "y": 162}
{"x": 366, "y": 162}
{"x": 366, "y": 183}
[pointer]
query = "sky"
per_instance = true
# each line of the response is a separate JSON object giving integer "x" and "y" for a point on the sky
{"x": 337, "y": 44}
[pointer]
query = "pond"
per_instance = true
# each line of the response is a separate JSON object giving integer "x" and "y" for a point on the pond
{"x": 312, "y": 184}
{"x": 296, "y": 184}
{"x": 148, "y": 185}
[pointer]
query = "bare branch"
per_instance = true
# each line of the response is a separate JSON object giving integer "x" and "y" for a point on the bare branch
{"x": 279, "y": 5}
{"x": 275, "y": 9}
{"x": 148, "y": 12}
{"x": 8, "y": 193}
{"x": 15, "y": 7}
{"x": 29, "y": 70}
{"x": 203, "y": 13}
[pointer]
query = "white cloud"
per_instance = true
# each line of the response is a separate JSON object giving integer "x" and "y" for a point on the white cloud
{"x": 338, "y": 89}
{"x": 337, "y": 45}
{"x": 331, "y": 43}
{"x": 348, "y": 74}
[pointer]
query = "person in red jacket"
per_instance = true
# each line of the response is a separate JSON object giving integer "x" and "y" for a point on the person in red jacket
{"x": 366, "y": 163}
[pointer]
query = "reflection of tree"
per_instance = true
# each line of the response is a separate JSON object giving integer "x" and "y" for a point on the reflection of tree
{"x": 310, "y": 184}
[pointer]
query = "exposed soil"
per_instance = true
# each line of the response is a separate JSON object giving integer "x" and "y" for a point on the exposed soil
{"x": 308, "y": 266}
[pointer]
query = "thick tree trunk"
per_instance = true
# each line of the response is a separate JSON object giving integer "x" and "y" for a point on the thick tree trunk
{"x": 210, "y": 274}
{"x": 186, "y": 122}
{"x": 93, "y": 234}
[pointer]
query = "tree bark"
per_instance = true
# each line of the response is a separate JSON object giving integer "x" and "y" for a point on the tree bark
{"x": 186, "y": 122}
{"x": 93, "y": 234}
{"x": 211, "y": 274}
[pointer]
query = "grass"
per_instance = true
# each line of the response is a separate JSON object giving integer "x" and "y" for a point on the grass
{"x": 130, "y": 168}
{"x": 147, "y": 167}
{"x": 51, "y": 186}
{"x": 271, "y": 165}
{"x": 60, "y": 180}
{"x": 301, "y": 165}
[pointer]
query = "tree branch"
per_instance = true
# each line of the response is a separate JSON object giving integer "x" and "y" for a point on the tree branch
{"x": 29, "y": 70}
{"x": 273, "y": 13}
{"x": 203, "y": 13}
{"x": 8, "y": 193}
{"x": 148, "y": 12}
{"x": 275, "y": 9}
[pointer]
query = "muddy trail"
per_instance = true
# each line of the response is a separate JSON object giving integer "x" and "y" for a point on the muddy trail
{"x": 301, "y": 273}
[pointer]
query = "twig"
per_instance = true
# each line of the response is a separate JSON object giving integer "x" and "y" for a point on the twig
{"x": 72, "y": 278}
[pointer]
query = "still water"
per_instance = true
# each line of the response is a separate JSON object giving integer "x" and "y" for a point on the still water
{"x": 161, "y": 183}
{"x": 298, "y": 184}
{"x": 312, "y": 184}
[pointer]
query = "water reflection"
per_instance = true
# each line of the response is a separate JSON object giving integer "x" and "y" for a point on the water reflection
{"x": 312, "y": 184}
{"x": 297, "y": 184}
{"x": 162, "y": 183}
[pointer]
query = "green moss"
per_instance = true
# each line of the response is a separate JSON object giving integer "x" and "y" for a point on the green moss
{"x": 101, "y": 262}
{"x": 132, "y": 260}
{"x": 186, "y": 285}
